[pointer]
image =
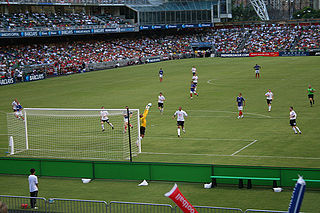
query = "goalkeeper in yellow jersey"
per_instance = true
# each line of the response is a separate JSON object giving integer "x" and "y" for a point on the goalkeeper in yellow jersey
{"x": 143, "y": 121}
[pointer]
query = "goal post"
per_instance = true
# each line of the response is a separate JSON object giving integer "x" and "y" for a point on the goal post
{"x": 74, "y": 134}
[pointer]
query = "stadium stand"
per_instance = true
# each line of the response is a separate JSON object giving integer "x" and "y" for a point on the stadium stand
{"x": 74, "y": 56}
{"x": 309, "y": 38}
{"x": 35, "y": 21}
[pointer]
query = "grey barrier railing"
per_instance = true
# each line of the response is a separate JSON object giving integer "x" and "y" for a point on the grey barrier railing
{"x": 131, "y": 207}
{"x": 20, "y": 203}
{"x": 209, "y": 209}
{"x": 57, "y": 205}
{"x": 266, "y": 211}
{"x": 73, "y": 205}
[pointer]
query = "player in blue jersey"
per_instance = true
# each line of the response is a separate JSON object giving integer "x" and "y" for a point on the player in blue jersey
{"x": 18, "y": 113}
{"x": 193, "y": 89}
{"x": 241, "y": 102}
{"x": 160, "y": 74}
{"x": 257, "y": 70}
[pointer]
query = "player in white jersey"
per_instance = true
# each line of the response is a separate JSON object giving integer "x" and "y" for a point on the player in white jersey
{"x": 104, "y": 118}
{"x": 14, "y": 105}
{"x": 293, "y": 122}
{"x": 193, "y": 69}
{"x": 195, "y": 78}
{"x": 195, "y": 81}
{"x": 180, "y": 114}
{"x": 161, "y": 100}
{"x": 269, "y": 96}
{"x": 126, "y": 119}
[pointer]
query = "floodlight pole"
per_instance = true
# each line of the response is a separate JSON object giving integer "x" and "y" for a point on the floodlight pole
{"x": 129, "y": 134}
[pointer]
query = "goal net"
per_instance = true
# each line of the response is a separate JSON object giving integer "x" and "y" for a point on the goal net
{"x": 74, "y": 134}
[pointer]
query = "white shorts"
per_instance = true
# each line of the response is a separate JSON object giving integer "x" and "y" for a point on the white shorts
{"x": 18, "y": 114}
{"x": 240, "y": 107}
{"x": 257, "y": 71}
{"x": 160, "y": 76}
{"x": 126, "y": 120}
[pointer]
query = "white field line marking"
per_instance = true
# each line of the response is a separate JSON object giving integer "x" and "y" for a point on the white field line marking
{"x": 210, "y": 81}
{"x": 71, "y": 136}
{"x": 75, "y": 150}
{"x": 244, "y": 148}
{"x": 241, "y": 156}
{"x": 248, "y": 113}
{"x": 202, "y": 139}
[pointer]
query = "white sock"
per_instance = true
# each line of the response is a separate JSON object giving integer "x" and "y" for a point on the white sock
{"x": 111, "y": 124}
{"x": 298, "y": 129}
{"x": 294, "y": 129}
{"x": 179, "y": 131}
{"x": 270, "y": 108}
{"x": 102, "y": 126}
{"x": 183, "y": 130}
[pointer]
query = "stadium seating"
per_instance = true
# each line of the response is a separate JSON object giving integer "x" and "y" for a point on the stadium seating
{"x": 69, "y": 57}
{"x": 53, "y": 21}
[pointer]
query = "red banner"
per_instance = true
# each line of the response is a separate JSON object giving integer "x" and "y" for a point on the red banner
{"x": 268, "y": 54}
{"x": 180, "y": 200}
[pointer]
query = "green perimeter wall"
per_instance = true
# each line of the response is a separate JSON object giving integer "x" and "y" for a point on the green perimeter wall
{"x": 153, "y": 171}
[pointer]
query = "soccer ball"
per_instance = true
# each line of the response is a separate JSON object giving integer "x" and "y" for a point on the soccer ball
{"x": 149, "y": 104}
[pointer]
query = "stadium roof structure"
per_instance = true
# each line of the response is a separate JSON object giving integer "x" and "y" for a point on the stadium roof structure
{"x": 261, "y": 9}
{"x": 176, "y": 6}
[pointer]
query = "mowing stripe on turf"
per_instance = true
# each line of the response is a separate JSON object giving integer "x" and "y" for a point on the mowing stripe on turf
{"x": 220, "y": 111}
{"x": 244, "y": 148}
{"x": 241, "y": 156}
{"x": 203, "y": 139}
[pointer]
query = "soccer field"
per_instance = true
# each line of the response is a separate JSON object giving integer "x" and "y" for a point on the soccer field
{"x": 213, "y": 135}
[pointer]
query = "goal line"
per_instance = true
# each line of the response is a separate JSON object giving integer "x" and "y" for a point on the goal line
{"x": 109, "y": 134}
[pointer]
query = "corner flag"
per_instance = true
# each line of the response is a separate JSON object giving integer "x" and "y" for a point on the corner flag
{"x": 297, "y": 196}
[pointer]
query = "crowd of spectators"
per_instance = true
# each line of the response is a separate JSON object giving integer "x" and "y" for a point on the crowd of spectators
{"x": 309, "y": 38}
{"x": 54, "y": 21}
{"x": 227, "y": 40}
{"x": 75, "y": 56}
{"x": 274, "y": 38}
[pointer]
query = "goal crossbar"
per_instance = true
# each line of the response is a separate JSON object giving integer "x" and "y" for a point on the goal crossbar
{"x": 75, "y": 133}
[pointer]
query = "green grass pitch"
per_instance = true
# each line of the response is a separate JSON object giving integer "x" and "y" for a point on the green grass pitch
{"x": 214, "y": 135}
{"x": 213, "y": 132}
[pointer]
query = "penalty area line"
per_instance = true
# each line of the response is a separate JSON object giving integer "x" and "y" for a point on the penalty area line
{"x": 244, "y": 148}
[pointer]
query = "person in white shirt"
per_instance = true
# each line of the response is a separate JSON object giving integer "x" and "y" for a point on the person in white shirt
{"x": 293, "y": 122}
{"x": 180, "y": 114}
{"x": 269, "y": 96}
{"x": 126, "y": 119}
{"x": 193, "y": 70}
{"x": 20, "y": 75}
{"x": 195, "y": 81}
{"x": 33, "y": 188}
{"x": 14, "y": 105}
{"x": 104, "y": 118}
{"x": 161, "y": 100}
